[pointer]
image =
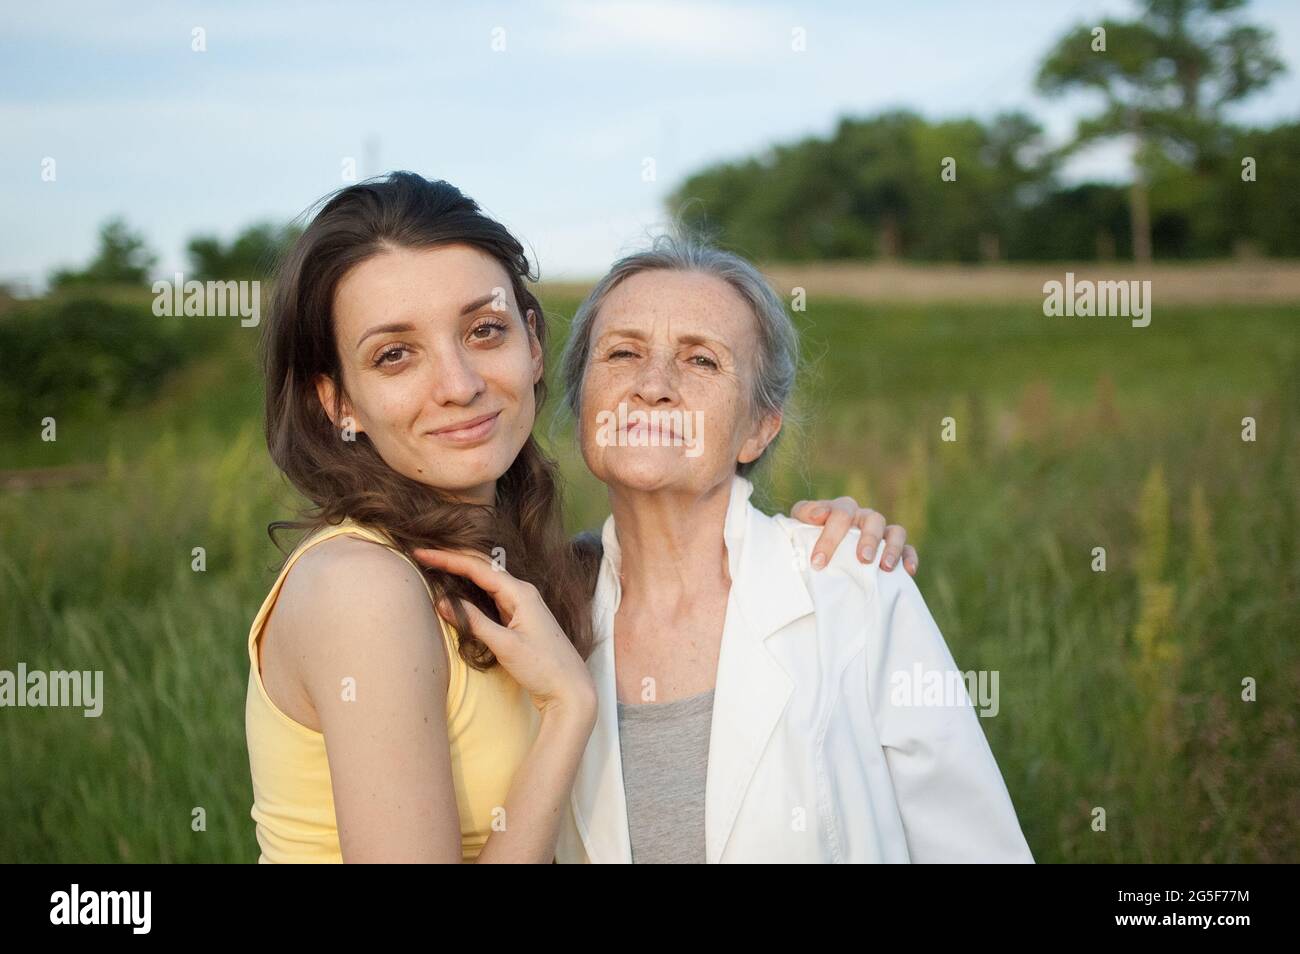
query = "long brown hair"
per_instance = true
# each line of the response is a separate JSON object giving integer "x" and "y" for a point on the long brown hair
{"x": 343, "y": 479}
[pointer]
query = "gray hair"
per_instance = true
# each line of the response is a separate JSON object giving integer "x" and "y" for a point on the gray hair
{"x": 776, "y": 356}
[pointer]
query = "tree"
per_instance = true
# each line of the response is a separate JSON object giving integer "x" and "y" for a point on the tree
{"x": 1165, "y": 81}
{"x": 875, "y": 188}
{"x": 252, "y": 254}
{"x": 123, "y": 259}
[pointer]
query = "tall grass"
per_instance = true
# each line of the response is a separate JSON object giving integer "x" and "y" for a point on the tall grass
{"x": 1121, "y": 690}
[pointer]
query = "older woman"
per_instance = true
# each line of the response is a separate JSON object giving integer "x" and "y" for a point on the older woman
{"x": 748, "y": 706}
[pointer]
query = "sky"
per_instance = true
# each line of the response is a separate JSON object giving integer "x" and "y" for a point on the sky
{"x": 545, "y": 112}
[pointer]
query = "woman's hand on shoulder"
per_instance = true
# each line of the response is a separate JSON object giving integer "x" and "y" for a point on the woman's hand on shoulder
{"x": 836, "y": 517}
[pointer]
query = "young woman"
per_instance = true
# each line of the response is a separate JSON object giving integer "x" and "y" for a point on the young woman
{"x": 397, "y": 714}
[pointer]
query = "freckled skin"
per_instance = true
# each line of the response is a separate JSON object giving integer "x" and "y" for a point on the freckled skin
{"x": 447, "y": 369}
{"x": 659, "y": 367}
{"x": 667, "y": 340}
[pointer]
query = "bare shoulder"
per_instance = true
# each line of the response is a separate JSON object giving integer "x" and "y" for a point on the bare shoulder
{"x": 349, "y": 572}
{"x": 350, "y": 598}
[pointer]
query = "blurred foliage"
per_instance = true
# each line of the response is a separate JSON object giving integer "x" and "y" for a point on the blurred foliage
{"x": 1198, "y": 213}
{"x": 123, "y": 259}
{"x": 87, "y": 354}
{"x": 1166, "y": 76}
{"x": 860, "y": 195}
{"x": 862, "y": 192}
{"x": 252, "y": 254}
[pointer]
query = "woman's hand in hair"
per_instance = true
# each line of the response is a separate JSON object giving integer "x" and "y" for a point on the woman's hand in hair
{"x": 837, "y": 517}
{"x": 531, "y": 646}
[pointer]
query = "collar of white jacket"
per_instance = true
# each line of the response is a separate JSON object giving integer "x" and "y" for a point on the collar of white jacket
{"x": 762, "y": 560}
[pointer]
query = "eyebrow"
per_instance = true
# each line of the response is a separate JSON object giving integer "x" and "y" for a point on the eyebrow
{"x": 690, "y": 339}
{"x": 403, "y": 326}
{"x": 478, "y": 303}
{"x": 385, "y": 329}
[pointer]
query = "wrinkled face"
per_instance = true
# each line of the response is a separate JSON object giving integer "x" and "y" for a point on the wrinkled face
{"x": 665, "y": 397}
{"x": 438, "y": 366}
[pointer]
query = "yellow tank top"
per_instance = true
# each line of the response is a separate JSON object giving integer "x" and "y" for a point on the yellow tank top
{"x": 491, "y": 723}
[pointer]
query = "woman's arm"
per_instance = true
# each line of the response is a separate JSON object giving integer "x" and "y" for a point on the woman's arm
{"x": 951, "y": 796}
{"x": 539, "y": 656}
{"x": 374, "y": 664}
{"x": 539, "y": 794}
{"x": 370, "y": 657}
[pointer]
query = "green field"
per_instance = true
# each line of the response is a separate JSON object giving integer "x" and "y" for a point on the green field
{"x": 1120, "y": 690}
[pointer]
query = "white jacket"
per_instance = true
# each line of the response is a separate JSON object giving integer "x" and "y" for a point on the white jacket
{"x": 810, "y": 759}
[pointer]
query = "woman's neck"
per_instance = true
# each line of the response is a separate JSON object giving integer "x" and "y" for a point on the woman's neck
{"x": 485, "y": 495}
{"x": 672, "y": 547}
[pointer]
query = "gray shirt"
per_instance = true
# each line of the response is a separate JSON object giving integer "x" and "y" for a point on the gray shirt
{"x": 665, "y": 751}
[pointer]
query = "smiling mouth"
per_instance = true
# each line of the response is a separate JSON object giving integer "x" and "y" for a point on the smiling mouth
{"x": 654, "y": 433}
{"x": 470, "y": 431}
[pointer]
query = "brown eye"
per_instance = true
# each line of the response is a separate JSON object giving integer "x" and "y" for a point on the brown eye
{"x": 390, "y": 355}
{"x": 493, "y": 328}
